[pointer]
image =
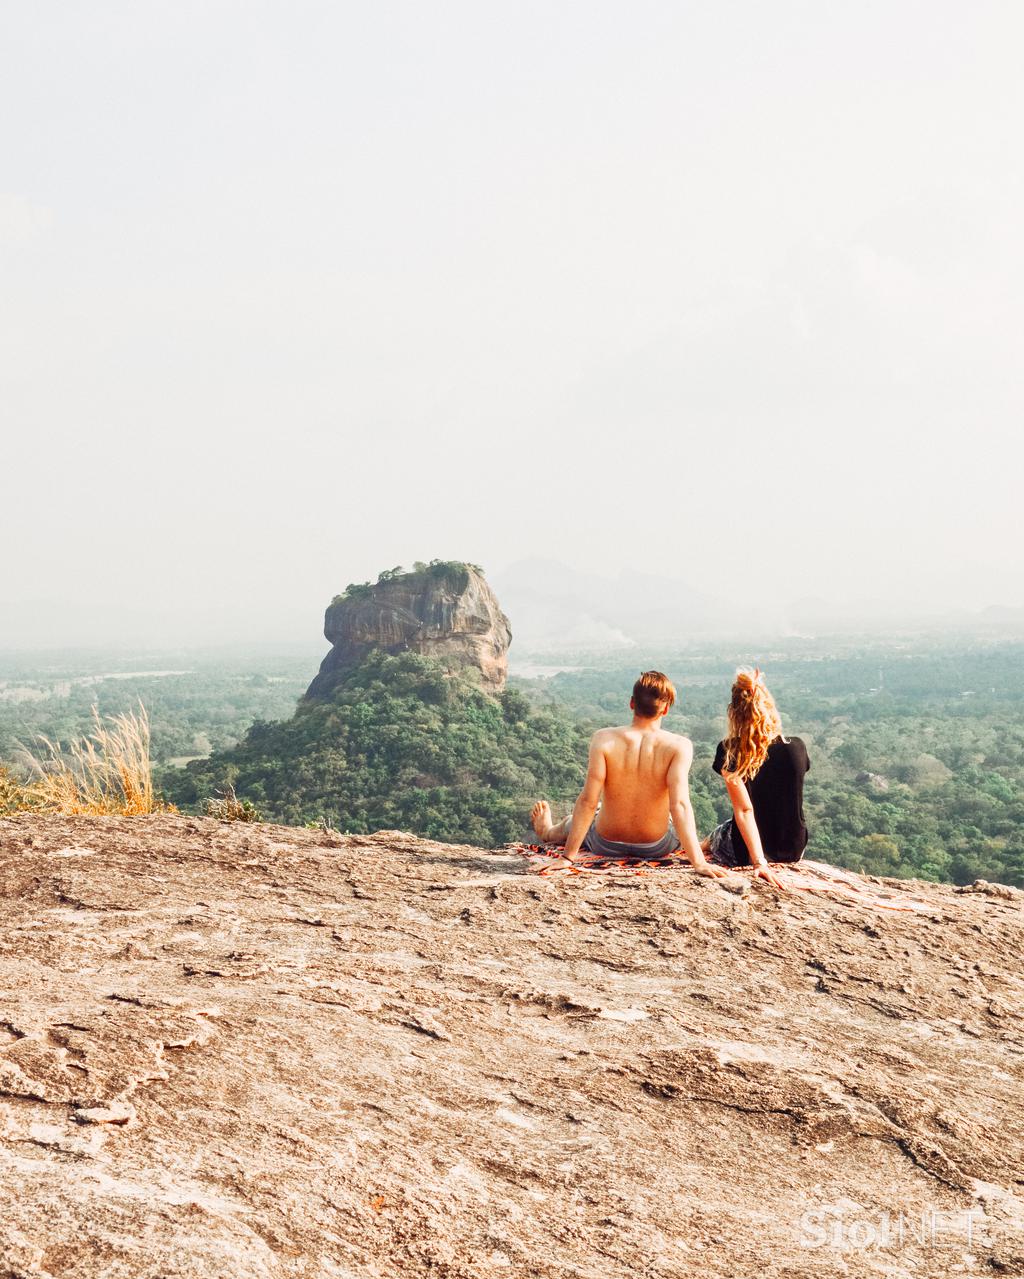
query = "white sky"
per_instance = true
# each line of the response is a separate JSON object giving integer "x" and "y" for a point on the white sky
{"x": 292, "y": 292}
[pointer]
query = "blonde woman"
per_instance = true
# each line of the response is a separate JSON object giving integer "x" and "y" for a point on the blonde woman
{"x": 764, "y": 775}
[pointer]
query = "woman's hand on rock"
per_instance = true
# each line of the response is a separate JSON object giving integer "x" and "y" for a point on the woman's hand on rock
{"x": 766, "y": 873}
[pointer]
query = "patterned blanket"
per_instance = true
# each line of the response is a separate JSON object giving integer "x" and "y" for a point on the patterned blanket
{"x": 803, "y": 876}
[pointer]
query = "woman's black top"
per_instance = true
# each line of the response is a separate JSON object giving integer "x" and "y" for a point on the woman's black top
{"x": 777, "y": 793}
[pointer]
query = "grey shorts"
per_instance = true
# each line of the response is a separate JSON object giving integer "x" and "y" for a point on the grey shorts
{"x": 611, "y": 848}
{"x": 722, "y": 848}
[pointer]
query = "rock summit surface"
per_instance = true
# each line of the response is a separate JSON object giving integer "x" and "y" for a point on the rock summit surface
{"x": 255, "y": 1051}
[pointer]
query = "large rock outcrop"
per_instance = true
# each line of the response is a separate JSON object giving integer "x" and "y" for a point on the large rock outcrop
{"x": 257, "y": 1051}
{"x": 447, "y": 612}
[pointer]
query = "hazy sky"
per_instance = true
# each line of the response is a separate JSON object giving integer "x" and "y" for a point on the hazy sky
{"x": 291, "y": 292}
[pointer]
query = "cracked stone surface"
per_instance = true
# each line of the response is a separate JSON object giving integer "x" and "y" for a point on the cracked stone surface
{"x": 256, "y": 1051}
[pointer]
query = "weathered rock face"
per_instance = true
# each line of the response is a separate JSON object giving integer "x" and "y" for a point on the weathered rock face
{"x": 454, "y": 617}
{"x": 242, "y": 1052}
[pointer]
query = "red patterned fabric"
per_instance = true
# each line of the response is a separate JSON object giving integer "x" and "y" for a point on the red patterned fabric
{"x": 803, "y": 876}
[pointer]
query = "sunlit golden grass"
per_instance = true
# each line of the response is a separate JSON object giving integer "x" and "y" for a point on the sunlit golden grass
{"x": 107, "y": 773}
{"x": 13, "y": 798}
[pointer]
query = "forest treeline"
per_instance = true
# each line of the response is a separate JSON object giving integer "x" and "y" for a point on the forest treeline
{"x": 401, "y": 743}
{"x": 917, "y": 756}
{"x": 193, "y": 711}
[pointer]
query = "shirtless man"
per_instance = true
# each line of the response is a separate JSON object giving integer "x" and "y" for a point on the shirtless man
{"x": 643, "y": 774}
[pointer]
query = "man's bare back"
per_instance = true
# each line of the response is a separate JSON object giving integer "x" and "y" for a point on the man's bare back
{"x": 634, "y": 809}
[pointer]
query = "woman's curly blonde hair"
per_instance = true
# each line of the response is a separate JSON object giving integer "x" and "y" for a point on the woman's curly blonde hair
{"x": 754, "y": 724}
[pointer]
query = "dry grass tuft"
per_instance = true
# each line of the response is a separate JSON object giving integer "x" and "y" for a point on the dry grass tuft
{"x": 227, "y": 807}
{"x": 13, "y": 796}
{"x": 106, "y": 774}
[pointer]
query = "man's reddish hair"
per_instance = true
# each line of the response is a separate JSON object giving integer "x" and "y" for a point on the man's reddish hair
{"x": 653, "y": 694}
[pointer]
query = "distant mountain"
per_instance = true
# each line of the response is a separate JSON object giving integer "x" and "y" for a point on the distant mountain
{"x": 552, "y": 606}
{"x": 815, "y": 616}
{"x": 1002, "y": 615}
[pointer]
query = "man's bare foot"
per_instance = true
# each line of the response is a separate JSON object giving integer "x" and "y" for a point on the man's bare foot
{"x": 540, "y": 819}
